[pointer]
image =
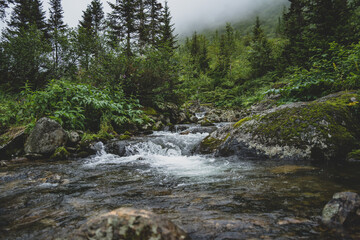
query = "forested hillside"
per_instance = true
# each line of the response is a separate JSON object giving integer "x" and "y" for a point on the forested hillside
{"x": 114, "y": 64}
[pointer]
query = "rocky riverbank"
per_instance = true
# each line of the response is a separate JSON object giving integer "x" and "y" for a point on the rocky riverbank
{"x": 327, "y": 129}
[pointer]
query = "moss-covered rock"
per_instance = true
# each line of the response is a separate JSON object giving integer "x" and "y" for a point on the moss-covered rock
{"x": 326, "y": 129}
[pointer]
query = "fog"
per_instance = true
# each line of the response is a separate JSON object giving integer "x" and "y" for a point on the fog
{"x": 188, "y": 15}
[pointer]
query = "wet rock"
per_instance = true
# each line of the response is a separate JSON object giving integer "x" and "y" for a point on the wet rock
{"x": 3, "y": 164}
{"x": 194, "y": 119}
{"x": 119, "y": 147}
{"x": 208, "y": 129}
{"x": 343, "y": 209}
{"x": 182, "y": 118}
{"x": 214, "y": 116}
{"x": 127, "y": 223}
{"x": 206, "y": 122}
{"x": 12, "y": 143}
{"x": 45, "y": 138}
{"x": 74, "y": 138}
{"x": 322, "y": 130}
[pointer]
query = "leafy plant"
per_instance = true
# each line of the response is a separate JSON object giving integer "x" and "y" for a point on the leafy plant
{"x": 80, "y": 106}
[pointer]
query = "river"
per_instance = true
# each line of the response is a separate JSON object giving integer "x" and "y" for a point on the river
{"x": 209, "y": 197}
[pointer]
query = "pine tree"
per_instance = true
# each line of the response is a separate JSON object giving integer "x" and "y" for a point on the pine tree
{"x": 296, "y": 53}
{"x": 142, "y": 26}
{"x": 97, "y": 13}
{"x": 27, "y": 13}
{"x": 122, "y": 21}
{"x": 155, "y": 15}
{"x": 258, "y": 33}
{"x": 56, "y": 27}
{"x": 260, "y": 56}
{"x": 167, "y": 29}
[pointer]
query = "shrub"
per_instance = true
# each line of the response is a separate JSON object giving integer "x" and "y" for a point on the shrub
{"x": 80, "y": 106}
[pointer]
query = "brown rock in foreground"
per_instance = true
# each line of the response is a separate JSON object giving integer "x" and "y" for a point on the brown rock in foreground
{"x": 127, "y": 223}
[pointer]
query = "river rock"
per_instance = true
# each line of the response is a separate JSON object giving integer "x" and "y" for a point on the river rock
{"x": 343, "y": 209}
{"x": 326, "y": 130}
{"x": 74, "y": 138}
{"x": 127, "y": 223}
{"x": 13, "y": 144}
{"x": 119, "y": 147}
{"x": 45, "y": 138}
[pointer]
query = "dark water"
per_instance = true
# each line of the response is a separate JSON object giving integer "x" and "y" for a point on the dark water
{"x": 210, "y": 198}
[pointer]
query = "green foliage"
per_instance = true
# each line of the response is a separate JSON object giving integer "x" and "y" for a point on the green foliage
{"x": 24, "y": 58}
{"x": 80, "y": 106}
{"x": 338, "y": 70}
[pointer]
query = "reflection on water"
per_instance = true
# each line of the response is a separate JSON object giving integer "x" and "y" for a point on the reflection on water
{"x": 210, "y": 198}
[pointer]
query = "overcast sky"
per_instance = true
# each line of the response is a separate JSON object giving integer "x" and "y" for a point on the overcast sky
{"x": 188, "y": 15}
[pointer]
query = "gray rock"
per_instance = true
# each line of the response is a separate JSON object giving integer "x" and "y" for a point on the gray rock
{"x": 318, "y": 131}
{"x": 74, "y": 137}
{"x": 45, "y": 138}
{"x": 182, "y": 117}
{"x": 127, "y": 223}
{"x": 15, "y": 145}
{"x": 119, "y": 147}
{"x": 343, "y": 209}
{"x": 193, "y": 119}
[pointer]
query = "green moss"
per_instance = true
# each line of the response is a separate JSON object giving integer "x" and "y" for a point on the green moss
{"x": 239, "y": 123}
{"x": 11, "y": 134}
{"x": 150, "y": 111}
{"x": 60, "y": 154}
{"x": 329, "y": 121}
{"x": 354, "y": 155}
{"x": 205, "y": 123}
{"x": 124, "y": 137}
{"x": 209, "y": 144}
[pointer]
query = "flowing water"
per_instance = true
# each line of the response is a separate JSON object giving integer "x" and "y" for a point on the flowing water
{"x": 210, "y": 198}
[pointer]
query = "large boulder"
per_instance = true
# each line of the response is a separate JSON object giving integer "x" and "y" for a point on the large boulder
{"x": 45, "y": 138}
{"x": 131, "y": 224}
{"x": 342, "y": 210}
{"x": 326, "y": 129}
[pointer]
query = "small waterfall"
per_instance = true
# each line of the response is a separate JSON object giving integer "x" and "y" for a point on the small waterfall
{"x": 200, "y": 115}
{"x": 167, "y": 153}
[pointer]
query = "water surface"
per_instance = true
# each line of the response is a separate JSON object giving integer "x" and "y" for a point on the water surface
{"x": 210, "y": 198}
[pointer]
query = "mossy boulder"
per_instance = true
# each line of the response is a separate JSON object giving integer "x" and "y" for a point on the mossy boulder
{"x": 127, "y": 223}
{"x": 326, "y": 129}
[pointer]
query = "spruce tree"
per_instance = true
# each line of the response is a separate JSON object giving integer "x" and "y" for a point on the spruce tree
{"x": 97, "y": 13}
{"x": 56, "y": 27}
{"x": 155, "y": 15}
{"x": 168, "y": 38}
{"x": 296, "y": 53}
{"x": 27, "y": 13}
{"x": 260, "y": 56}
{"x": 122, "y": 21}
{"x": 143, "y": 24}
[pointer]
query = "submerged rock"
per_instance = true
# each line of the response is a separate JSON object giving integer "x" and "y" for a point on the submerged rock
{"x": 127, "y": 223}
{"x": 45, "y": 138}
{"x": 119, "y": 147}
{"x": 326, "y": 129}
{"x": 343, "y": 209}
